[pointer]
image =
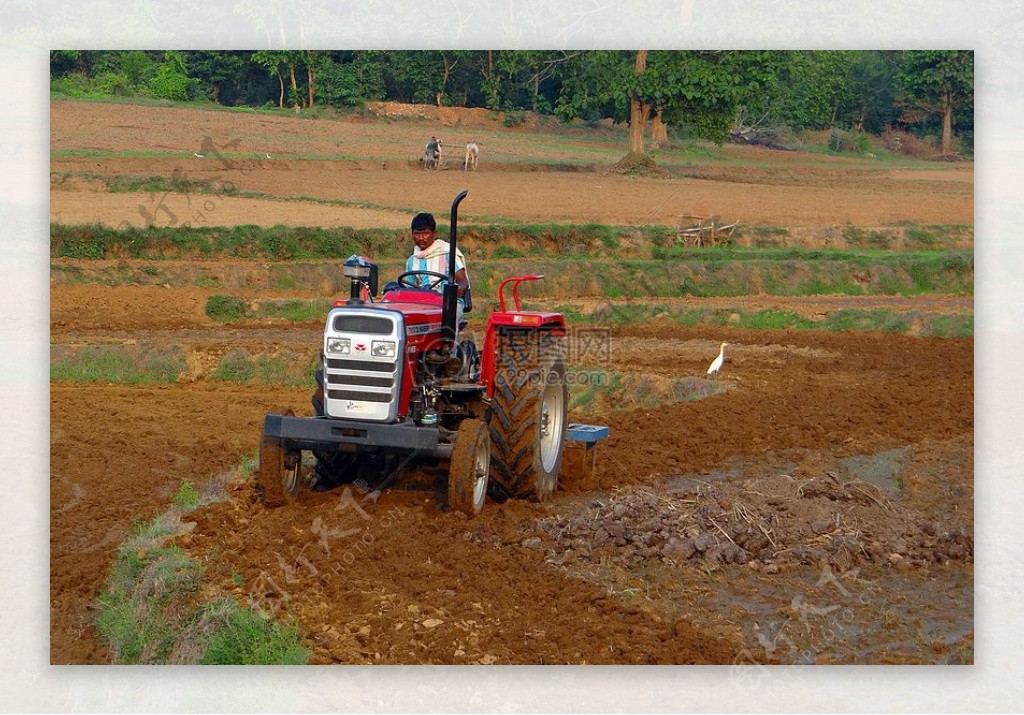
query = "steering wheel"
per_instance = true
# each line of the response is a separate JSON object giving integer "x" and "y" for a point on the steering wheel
{"x": 405, "y": 279}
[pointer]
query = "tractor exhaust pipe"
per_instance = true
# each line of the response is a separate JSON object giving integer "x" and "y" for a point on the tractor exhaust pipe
{"x": 449, "y": 308}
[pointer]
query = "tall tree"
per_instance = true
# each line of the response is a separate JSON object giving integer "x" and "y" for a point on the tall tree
{"x": 449, "y": 60}
{"x": 939, "y": 81}
{"x": 699, "y": 89}
{"x": 870, "y": 99}
{"x": 273, "y": 61}
{"x": 217, "y": 70}
{"x": 639, "y": 108}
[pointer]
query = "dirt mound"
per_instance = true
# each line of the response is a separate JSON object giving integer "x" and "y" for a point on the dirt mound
{"x": 770, "y": 523}
{"x": 639, "y": 165}
{"x": 447, "y": 116}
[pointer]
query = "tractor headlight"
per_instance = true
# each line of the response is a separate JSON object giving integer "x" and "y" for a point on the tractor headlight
{"x": 339, "y": 346}
{"x": 383, "y": 348}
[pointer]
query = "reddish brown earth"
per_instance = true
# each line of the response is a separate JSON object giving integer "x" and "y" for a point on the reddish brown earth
{"x": 633, "y": 564}
{"x": 797, "y": 405}
{"x": 368, "y": 163}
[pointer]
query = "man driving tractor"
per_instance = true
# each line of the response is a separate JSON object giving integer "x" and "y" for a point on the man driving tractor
{"x": 431, "y": 254}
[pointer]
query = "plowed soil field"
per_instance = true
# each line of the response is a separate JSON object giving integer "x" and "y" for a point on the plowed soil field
{"x": 818, "y": 507}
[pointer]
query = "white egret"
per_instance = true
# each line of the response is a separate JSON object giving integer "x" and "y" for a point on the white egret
{"x": 717, "y": 364}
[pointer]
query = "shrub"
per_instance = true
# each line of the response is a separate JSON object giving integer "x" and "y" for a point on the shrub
{"x": 841, "y": 141}
{"x": 187, "y": 496}
{"x": 116, "y": 84}
{"x": 507, "y": 252}
{"x": 171, "y": 80}
{"x": 73, "y": 85}
{"x": 514, "y": 118}
{"x": 236, "y": 367}
{"x": 907, "y": 144}
{"x": 226, "y": 308}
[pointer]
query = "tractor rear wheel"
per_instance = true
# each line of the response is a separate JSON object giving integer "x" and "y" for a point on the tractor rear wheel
{"x": 529, "y": 416}
{"x": 470, "y": 467}
{"x": 280, "y": 471}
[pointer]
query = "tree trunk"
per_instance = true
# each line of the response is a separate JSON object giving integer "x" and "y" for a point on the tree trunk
{"x": 280, "y": 81}
{"x": 659, "y": 132}
{"x": 309, "y": 81}
{"x": 947, "y": 123}
{"x": 638, "y": 110}
{"x": 295, "y": 86}
{"x": 491, "y": 83}
{"x": 444, "y": 79}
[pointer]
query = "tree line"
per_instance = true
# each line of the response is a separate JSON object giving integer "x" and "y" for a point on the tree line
{"x": 704, "y": 93}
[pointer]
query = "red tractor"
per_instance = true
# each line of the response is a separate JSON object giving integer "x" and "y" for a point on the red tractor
{"x": 398, "y": 389}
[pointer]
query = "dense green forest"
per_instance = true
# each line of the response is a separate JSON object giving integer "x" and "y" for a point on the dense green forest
{"x": 697, "y": 93}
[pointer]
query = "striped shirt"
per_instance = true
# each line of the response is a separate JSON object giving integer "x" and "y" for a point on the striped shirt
{"x": 434, "y": 258}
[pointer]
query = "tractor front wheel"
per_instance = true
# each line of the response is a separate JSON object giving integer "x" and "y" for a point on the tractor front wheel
{"x": 470, "y": 467}
{"x": 280, "y": 472}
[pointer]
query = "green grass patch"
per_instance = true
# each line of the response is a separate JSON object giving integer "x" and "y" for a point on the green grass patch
{"x": 294, "y": 311}
{"x": 771, "y": 319}
{"x": 96, "y": 241}
{"x": 511, "y": 241}
{"x": 280, "y": 369}
{"x": 507, "y": 252}
{"x": 881, "y": 320}
{"x": 150, "y": 581}
{"x": 119, "y": 364}
{"x": 187, "y": 497}
{"x": 154, "y": 184}
{"x": 937, "y": 325}
{"x": 592, "y": 390}
{"x": 949, "y": 326}
{"x": 226, "y": 308}
{"x": 149, "y": 612}
{"x": 247, "y": 637}
{"x": 235, "y": 367}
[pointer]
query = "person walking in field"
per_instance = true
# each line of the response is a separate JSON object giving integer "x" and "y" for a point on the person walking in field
{"x": 432, "y": 153}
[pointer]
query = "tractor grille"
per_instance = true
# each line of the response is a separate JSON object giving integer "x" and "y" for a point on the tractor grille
{"x": 360, "y": 380}
{"x": 363, "y": 387}
{"x": 360, "y": 396}
{"x": 361, "y": 365}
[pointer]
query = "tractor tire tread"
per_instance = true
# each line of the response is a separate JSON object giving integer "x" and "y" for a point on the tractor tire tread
{"x": 519, "y": 369}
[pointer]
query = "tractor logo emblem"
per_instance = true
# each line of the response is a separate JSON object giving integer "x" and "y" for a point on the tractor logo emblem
{"x": 360, "y": 347}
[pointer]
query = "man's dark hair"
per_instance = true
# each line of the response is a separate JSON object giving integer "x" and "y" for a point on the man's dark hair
{"x": 424, "y": 221}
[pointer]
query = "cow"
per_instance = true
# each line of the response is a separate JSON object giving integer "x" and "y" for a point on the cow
{"x": 472, "y": 156}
